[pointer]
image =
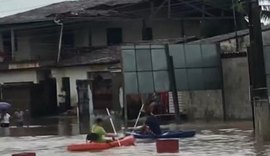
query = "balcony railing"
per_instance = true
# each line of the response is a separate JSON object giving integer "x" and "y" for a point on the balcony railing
{"x": 71, "y": 52}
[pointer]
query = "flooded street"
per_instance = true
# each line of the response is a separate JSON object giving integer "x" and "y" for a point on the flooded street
{"x": 212, "y": 139}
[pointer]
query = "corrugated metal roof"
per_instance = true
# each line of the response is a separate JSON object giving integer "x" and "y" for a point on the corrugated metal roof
{"x": 179, "y": 8}
{"x": 43, "y": 13}
{"x": 228, "y": 36}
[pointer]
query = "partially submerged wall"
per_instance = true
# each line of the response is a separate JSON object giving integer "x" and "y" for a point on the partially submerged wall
{"x": 207, "y": 104}
{"x": 236, "y": 88}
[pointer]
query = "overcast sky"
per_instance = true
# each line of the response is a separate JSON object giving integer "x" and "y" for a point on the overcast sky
{"x": 9, "y": 7}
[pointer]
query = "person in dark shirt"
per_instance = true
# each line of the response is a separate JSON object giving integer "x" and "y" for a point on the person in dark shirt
{"x": 152, "y": 125}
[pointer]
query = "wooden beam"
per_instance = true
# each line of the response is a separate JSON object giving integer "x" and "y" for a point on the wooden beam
{"x": 152, "y": 6}
{"x": 183, "y": 28}
{"x": 160, "y": 7}
{"x": 13, "y": 49}
{"x": 169, "y": 8}
{"x": 141, "y": 18}
{"x": 202, "y": 20}
{"x": 197, "y": 8}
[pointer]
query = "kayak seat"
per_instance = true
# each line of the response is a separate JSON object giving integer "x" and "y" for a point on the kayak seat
{"x": 92, "y": 137}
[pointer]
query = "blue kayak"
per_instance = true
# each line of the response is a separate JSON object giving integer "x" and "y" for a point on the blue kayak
{"x": 168, "y": 134}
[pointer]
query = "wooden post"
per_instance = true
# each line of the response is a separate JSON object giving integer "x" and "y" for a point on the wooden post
{"x": 152, "y": 7}
{"x": 173, "y": 83}
{"x": 250, "y": 65}
{"x": 13, "y": 49}
{"x": 125, "y": 109}
{"x": 258, "y": 75}
{"x": 169, "y": 8}
{"x": 24, "y": 154}
{"x": 1, "y": 92}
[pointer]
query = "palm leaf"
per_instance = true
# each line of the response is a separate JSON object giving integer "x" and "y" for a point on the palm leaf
{"x": 265, "y": 15}
{"x": 241, "y": 6}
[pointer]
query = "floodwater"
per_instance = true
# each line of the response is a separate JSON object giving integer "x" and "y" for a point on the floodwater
{"x": 212, "y": 139}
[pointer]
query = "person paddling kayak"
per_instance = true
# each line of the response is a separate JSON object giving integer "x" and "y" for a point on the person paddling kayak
{"x": 151, "y": 124}
{"x": 98, "y": 133}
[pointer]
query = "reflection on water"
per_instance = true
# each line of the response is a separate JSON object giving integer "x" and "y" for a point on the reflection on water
{"x": 234, "y": 139}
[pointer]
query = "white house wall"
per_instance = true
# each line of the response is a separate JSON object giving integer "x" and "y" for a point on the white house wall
{"x": 173, "y": 28}
{"x": 37, "y": 44}
{"x": 44, "y": 43}
{"x": 131, "y": 31}
{"x": 23, "y": 50}
{"x": 191, "y": 28}
{"x": 98, "y": 35}
{"x": 82, "y": 37}
{"x": 74, "y": 74}
{"x": 18, "y": 76}
{"x": 166, "y": 29}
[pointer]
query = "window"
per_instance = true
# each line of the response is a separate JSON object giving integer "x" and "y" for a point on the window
{"x": 147, "y": 34}
{"x": 90, "y": 37}
{"x": 7, "y": 45}
{"x": 114, "y": 36}
{"x": 68, "y": 39}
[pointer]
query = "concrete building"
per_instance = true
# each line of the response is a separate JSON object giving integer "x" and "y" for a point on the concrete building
{"x": 60, "y": 45}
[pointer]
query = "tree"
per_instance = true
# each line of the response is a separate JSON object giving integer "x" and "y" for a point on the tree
{"x": 241, "y": 6}
{"x": 241, "y": 13}
{"x": 265, "y": 14}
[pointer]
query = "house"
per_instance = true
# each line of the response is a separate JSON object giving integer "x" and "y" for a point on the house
{"x": 46, "y": 53}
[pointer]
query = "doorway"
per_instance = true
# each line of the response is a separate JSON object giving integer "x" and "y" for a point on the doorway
{"x": 66, "y": 88}
{"x": 102, "y": 91}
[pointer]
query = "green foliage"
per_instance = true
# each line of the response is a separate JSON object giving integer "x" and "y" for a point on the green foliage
{"x": 224, "y": 4}
{"x": 240, "y": 6}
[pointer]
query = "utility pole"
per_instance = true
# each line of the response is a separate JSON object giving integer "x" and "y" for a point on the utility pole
{"x": 258, "y": 78}
{"x": 259, "y": 97}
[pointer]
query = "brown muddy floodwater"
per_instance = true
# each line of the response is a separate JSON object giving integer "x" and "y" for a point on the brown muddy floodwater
{"x": 212, "y": 139}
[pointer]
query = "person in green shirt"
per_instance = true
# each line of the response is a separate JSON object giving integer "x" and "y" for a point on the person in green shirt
{"x": 98, "y": 133}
